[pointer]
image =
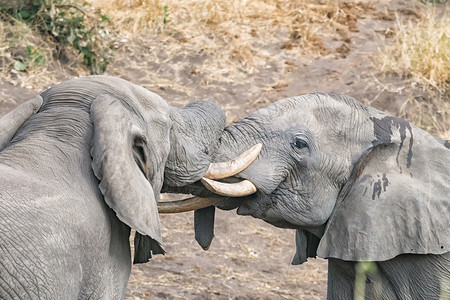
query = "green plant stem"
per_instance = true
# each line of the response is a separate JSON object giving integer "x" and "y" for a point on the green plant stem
{"x": 362, "y": 269}
{"x": 75, "y": 7}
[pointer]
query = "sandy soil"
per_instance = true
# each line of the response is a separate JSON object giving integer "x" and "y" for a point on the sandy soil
{"x": 249, "y": 259}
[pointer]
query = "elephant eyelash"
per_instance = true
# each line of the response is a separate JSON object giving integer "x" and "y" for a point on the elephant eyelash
{"x": 299, "y": 143}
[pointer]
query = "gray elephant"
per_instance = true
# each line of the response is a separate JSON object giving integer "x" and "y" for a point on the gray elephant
{"x": 80, "y": 165}
{"x": 357, "y": 184}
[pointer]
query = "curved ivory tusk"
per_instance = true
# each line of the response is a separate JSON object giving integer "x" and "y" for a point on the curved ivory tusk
{"x": 238, "y": 189}
{"x": 184, "y": 205}
{"x": 234, "y": 166}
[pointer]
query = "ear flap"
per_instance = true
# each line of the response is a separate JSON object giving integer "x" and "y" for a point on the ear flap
{"x": 11, "y": 122}
{"x": 120, "y": 162}
{"x": 144, "y": 247}
{"x": 397, "y": 201}
{"x": 306, "y": 246}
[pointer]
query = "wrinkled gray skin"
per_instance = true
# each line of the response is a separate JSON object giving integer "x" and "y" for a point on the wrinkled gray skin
{"x": 358, "y": 185}
{"x": 79, "y": 172}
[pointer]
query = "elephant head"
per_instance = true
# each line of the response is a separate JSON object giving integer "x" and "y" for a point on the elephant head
{"x": 357, "y": 184}
{"x": 169, "y": 146}
{"x": 136, "y": 141}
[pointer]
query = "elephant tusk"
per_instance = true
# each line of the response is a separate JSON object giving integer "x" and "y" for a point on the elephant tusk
{"x": 178, "y": 206}
{"x": 238, "y": 189}
{"x": 234, "y": 166}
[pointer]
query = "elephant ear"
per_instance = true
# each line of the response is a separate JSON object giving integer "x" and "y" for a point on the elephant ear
{"x": 11, "y": 122}
{"x": 397, "y": 200}
{"x": 121, "y": 163}
{"x": 306, "y": 246}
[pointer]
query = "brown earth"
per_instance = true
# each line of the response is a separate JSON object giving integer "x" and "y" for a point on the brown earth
{"x": 249, "y": 259}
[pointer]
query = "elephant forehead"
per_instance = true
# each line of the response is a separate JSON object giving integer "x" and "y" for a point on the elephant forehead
{"x": 313, "y": 110}
{"x": 296, "y": 119}
{"x": 285, "y": 114}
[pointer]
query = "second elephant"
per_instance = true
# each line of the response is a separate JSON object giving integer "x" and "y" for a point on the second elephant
{"x": 358, "y": 185}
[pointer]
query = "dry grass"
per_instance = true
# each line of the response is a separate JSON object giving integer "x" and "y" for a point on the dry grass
{"x": 421, "y": 51}
{"x": 230, "y": 34}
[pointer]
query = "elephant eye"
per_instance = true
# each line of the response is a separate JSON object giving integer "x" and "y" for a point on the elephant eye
{"x": 299, "y": 143}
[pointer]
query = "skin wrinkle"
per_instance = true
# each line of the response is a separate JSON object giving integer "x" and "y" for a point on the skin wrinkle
{"x": 11, "y": 275}
{"x": 202, "y": 118}
{"x": 325, "y": 167}
{"x": 26, "y": 244}
{"x": 17, "y": 219}
{"x": 416, "y": 278}
{"x": 16, "y": 263}
{"x": 31, "y": 272}
{"x": 381, "y": 271}
{"x": 69, "y": 152}
{"x": 10, "y": 289}
{"x": 266, "y": 172}
{"x": 276, "y": 153}
{"x": 249, "y": 130}
{"x": 4, "y": 289}
{"x": 30, "y": 278}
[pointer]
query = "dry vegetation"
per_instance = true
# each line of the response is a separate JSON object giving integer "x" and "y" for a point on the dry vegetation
{"x": 233, "y": 34}
{"x": 21, "y": 42}
{"x": 43, "y": 42}
{"x": 421, "y": 51}
{"x": 233, "y": 40}
{"x": 15, "y": 37}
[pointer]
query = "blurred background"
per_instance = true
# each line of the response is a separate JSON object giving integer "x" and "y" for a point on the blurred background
{"x": 243, "y": 54}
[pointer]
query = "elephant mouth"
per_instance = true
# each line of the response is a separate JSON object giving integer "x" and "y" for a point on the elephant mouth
{"x": 221, "y": 190}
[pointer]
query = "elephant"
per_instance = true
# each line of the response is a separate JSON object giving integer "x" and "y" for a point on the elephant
{"x": 357, "y": 184}
{"x": 80, "y": 165}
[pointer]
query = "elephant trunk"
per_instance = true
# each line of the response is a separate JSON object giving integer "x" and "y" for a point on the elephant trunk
{"x": 194, "y": 136}
{"x": 210, "y": 192}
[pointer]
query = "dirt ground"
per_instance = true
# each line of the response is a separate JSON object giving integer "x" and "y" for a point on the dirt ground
{"x": 249, "y": 259}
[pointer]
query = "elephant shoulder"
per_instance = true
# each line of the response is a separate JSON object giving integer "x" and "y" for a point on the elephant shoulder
{"x": 27, "y": 192}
